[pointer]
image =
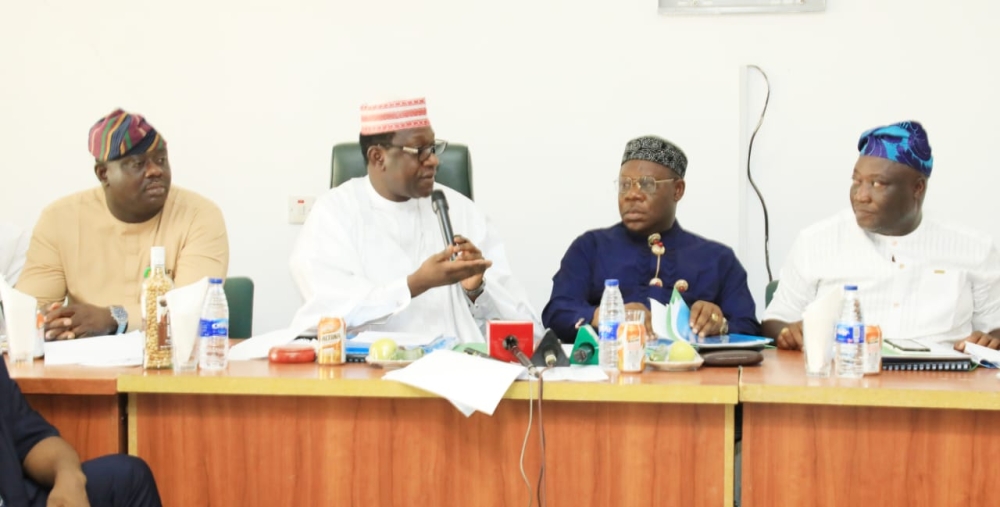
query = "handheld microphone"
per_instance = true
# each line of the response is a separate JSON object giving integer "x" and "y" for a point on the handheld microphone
{"x": 440, "y": 205}
{"x": 510, "y": 343}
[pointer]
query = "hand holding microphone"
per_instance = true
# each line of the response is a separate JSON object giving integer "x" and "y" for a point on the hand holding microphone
{"x": 460, "y": 261}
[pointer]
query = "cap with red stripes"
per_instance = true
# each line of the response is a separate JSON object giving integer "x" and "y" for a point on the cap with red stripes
{"x": 393, "y": 115}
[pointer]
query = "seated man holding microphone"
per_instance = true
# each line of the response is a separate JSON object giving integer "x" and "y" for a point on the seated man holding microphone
{"x": 916, "y": 277}
{"x": 372, "y": 250}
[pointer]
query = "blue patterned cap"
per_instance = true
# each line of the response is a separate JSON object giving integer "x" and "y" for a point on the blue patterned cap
{"x": 904, "y": 142}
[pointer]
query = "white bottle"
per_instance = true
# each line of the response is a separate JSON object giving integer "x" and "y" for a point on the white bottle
{"x": 850, "y": 345}
{"x": 611, "y": 315}
{"x": 213, "y": 329}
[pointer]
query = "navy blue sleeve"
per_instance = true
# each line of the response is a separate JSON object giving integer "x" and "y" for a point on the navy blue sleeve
{"x": 734, "y": 297}
{"x": 570, "y": 285}
{"x": 26, "y": 426}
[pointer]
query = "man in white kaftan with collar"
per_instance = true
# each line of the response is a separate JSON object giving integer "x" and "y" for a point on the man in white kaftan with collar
{"x": 372, "y": 251}
{"x": 916, "y": 277}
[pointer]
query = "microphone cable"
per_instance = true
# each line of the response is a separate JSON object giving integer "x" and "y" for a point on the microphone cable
{"x": 524, "y": 445}
{"x": 541, "y": 488}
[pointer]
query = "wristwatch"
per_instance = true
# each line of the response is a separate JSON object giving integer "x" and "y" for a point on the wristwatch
{"x": 474, "y": 293}
{"x": 121, "y": 317}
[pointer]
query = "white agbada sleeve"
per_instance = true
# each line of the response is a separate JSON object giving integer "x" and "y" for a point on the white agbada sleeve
{"x": 14, "y": 243}
{"x": 329, "y": 272}
{"x": 986, "y": 292}
{"x": 795, "y": 287}
{"x": 503, "y": 298}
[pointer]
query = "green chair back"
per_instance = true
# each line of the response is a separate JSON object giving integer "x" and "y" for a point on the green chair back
{"x": 239, "y": 296}
{"x": 769, "y": 292}
{"x": 454, "y": 170}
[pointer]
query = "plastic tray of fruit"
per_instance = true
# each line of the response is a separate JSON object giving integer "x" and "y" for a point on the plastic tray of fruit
{"x": 673, "y": 356}
{"x": 384, "y": 353}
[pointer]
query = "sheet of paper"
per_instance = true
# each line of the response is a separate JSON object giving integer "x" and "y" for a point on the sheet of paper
{"x": 818, "y": 321}
{"x": 101, "y": 351}
{"x": 982, "y": 354}
{"x": 574, "y": 373}
{"x": 468, "y": 382}
{"x": 257, "y": 347}
{"x": 659, "y": 313}
{"x": 401, "y": 339}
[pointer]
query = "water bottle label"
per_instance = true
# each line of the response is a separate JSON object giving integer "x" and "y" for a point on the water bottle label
{"x": 608, "y": 331}
{"x": 208, "y": 328}
{"x": 850, "y": 333}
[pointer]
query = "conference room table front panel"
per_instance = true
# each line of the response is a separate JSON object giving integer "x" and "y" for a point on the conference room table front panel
{"x": 302, "y": 434}
{"x": 927, "y": 438}
{"x": 81, "y": 402}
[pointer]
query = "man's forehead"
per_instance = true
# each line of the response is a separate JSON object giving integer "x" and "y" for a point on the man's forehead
{"x": 646, "y": 168}
{"x": 869, "y": 165}
{"x": 141, "y": 156}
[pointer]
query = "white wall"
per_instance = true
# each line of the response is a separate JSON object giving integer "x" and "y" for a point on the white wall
{"x": 251, "y": 95}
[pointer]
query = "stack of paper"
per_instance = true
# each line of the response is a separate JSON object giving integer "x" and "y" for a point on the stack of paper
{"x": 470, "y": 383}
{"x": 106, "y": 351}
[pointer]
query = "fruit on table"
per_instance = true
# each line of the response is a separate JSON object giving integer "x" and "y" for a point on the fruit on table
{"x": 383, "y": 349}
{"x": 659, "y": 354}
{"x": 681, "y": 351}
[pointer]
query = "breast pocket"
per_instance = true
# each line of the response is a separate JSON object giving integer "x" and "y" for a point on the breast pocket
{"x": 943, "y": 300}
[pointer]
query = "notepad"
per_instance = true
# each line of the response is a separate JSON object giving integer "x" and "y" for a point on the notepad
{"x": 940, "y": 357}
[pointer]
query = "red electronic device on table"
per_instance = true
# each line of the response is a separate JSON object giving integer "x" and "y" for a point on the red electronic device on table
{"x": 497, "y": 332}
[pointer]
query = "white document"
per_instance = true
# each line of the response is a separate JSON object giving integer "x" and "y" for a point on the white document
{"x": 659, "y": 313}
{"x": 818, "y": 322}
{"x": 471, "y": 383}
{"x": 185, "y": 306}
{"x": 103, "y": 351}
{"x": 408, "y": 340}
{"x": 573, "y": 373}
{"x": 257, "y": 347}
{"x": 980, "y": 354}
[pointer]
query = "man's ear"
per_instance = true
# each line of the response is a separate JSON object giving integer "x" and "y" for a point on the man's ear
{"x": 376, "y": 156}
{"x": 101, "y": 171}
{"x": 920, "y": 189}
{"x": 679, "y": 187}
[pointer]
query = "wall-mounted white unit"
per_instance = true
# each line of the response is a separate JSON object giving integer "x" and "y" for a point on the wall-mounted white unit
{"x": 739, "y": 6}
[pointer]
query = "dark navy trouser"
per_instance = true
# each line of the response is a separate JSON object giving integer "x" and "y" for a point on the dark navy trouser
{"x": 116, "y": 480}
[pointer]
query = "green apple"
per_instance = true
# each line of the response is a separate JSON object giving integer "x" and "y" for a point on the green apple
{"x": 681, "y": 351}
{"x": 382, "y": 349}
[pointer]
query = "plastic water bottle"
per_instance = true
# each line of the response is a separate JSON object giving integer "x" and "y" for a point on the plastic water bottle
{"x": 850, "y": 345}
{"x": 612, "y": 314}
{"x": 213, "y": 329}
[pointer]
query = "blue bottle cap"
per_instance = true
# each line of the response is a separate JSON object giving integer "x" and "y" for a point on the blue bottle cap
{"x": 214, "y": 280}
{"x": 850, "y": 287}
{"x": 611, "y": 282}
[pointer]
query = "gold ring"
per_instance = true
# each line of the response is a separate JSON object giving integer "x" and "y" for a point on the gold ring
{"x": 784, "y": 331}
{"x": 715, "y": 317}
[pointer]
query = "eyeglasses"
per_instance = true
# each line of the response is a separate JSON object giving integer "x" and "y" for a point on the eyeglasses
{"x": 423, "y": 152}
{"x": 136, "y": 164}
{"x": 647, "y": 184}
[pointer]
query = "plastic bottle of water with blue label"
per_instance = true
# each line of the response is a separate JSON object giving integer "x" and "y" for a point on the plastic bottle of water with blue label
{"x": 611, "y": 315}
{"x": 850, "y": 345}
{"x": 213, "y": 329}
